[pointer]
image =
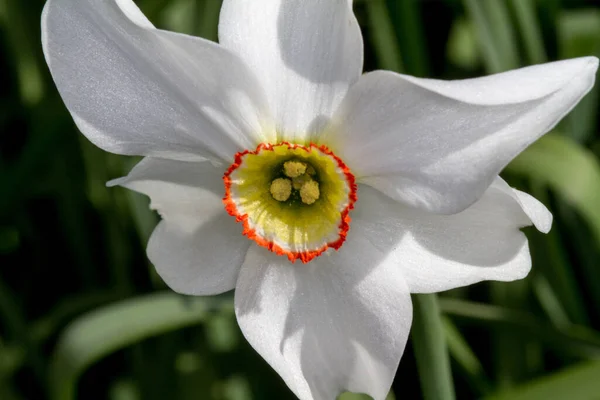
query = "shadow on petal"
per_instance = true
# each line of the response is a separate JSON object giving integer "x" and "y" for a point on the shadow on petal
{"x": 441, "y": 252}
{"x": 345, "y": 319}
{"x": 317, "y": 41}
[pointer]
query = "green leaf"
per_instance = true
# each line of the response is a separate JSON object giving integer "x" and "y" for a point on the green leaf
{"x": 360, "y": 396}
{"x": 124, "y": 390}
{"x": 207, "y": 19}
{"x": 579, "y": 35}
{"x": 18, "y": 24}
{"x": 549, "y": 301}
{"x": 461, "y": 49}
{"x": 553, "y": 263}
{"x": 502, "y": 31}
{"x": 579, "y": 32}
{"x": 431, "y": 351}
{"x": 106, "y": 330}
{"x": 410, "y": 34}
{"x": 489, "y": 45}
{"x": 575, "y": 383}
{"x": 383, "y": 36}
{"x": 530, "y": 30}
{"x": 572, "y": 340}
{"x": 569, "y": 169}
{"x": 509, "y": 349}
{"x": 464, "y": 356}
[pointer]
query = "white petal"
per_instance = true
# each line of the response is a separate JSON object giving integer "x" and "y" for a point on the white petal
{"x": 536, "y": 211}
{"x": 204, "y": 262}
{"x": 438, "y": 145}
{"x": 178, "y": 190}
{"x": 133, "y": 89}
{"x": 441, "y": 252}
{"x": 305, "y": 53}
{"x": 197, "y": 248}
{"x": 337, "y": 323}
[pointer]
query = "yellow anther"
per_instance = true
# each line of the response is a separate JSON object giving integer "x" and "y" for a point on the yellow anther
{"x": 294, "y": 169}
{"x": 309, "y": 192}
{"x": 281, "y": 189}
{"x": 310, "y": 170}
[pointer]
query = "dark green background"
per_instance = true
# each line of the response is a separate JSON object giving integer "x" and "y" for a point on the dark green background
{"x": 83, "y": 315}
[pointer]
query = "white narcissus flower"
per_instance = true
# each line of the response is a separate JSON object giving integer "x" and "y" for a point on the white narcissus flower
{"x": 396, "y": 173}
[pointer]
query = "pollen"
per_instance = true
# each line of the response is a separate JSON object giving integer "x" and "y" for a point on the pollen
{"x": 294, "y": 169}
{"x": 309, "y": 192}
{"x": 281, "y": 189}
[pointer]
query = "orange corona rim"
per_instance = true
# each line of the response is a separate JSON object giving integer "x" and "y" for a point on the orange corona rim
{"x": 292, "y": 199}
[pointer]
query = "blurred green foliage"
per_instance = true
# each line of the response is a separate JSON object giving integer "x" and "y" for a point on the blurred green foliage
{"x": 83, "y": 315}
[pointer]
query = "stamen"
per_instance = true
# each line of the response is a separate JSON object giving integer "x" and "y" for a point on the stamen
{"x": 309, "y": 192}
{"x": 294, "y": 169}
{"x": 281, "y": 189}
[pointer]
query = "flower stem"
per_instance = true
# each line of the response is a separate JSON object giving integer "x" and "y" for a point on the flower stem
{"x": 431, "y": 351}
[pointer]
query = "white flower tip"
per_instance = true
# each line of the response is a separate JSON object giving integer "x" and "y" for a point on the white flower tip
{"x": 592, "y": 62}
{"x": 116, "y": 182}
{"x": 542, "y": 220}
{"x": 539, "y": 215}
{"x": 589, "y": 68}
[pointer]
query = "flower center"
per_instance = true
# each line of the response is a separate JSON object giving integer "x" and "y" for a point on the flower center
{"x": 292, "y": 199}
{"x": 298, "y": 182}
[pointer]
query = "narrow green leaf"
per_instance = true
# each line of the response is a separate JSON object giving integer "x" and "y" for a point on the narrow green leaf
{"x": 431, "y": 351}
{"x": 194, "y": 375}
{"x": 567, "y": 168}
{"x": 488, "y": 46}
{"x": 10, "y": 239}
{"x": 106, "y": 330}
{"x": 502, "y": 31}
{"x": 464, "y": 356}
{"x": 530, "y": 30}
{"x": 410, "y": 34}
{"x": 575, "y": 383}
{"x": 578, "y": 32}
{"x": 552, "y": 262}
{"x": 124, "y": 390}
{"x": 236, "y": 388}
{"x": 360, "y": 396}
{"x": 25, "y": 50}
{"x": 69, "y": 306}
{"x": 13, "y": 318}
{"x": 509, "y": 348}
{"x": 574, "y": 340}
{"x": 573, "y": 173}
{"x": 579, "y": 35}
{"x": 222, "y": 332}
{"x": 585, "y": 254}
{"x": 153, "y": 8}
{"x": 549, "y": 301}
{"x": 461, "y": 49}
{"x": 11, "y": 358}
{"x": 208, "y": 19}
{"x": 180, "y": 16}
{"x": 383, "y": 36}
